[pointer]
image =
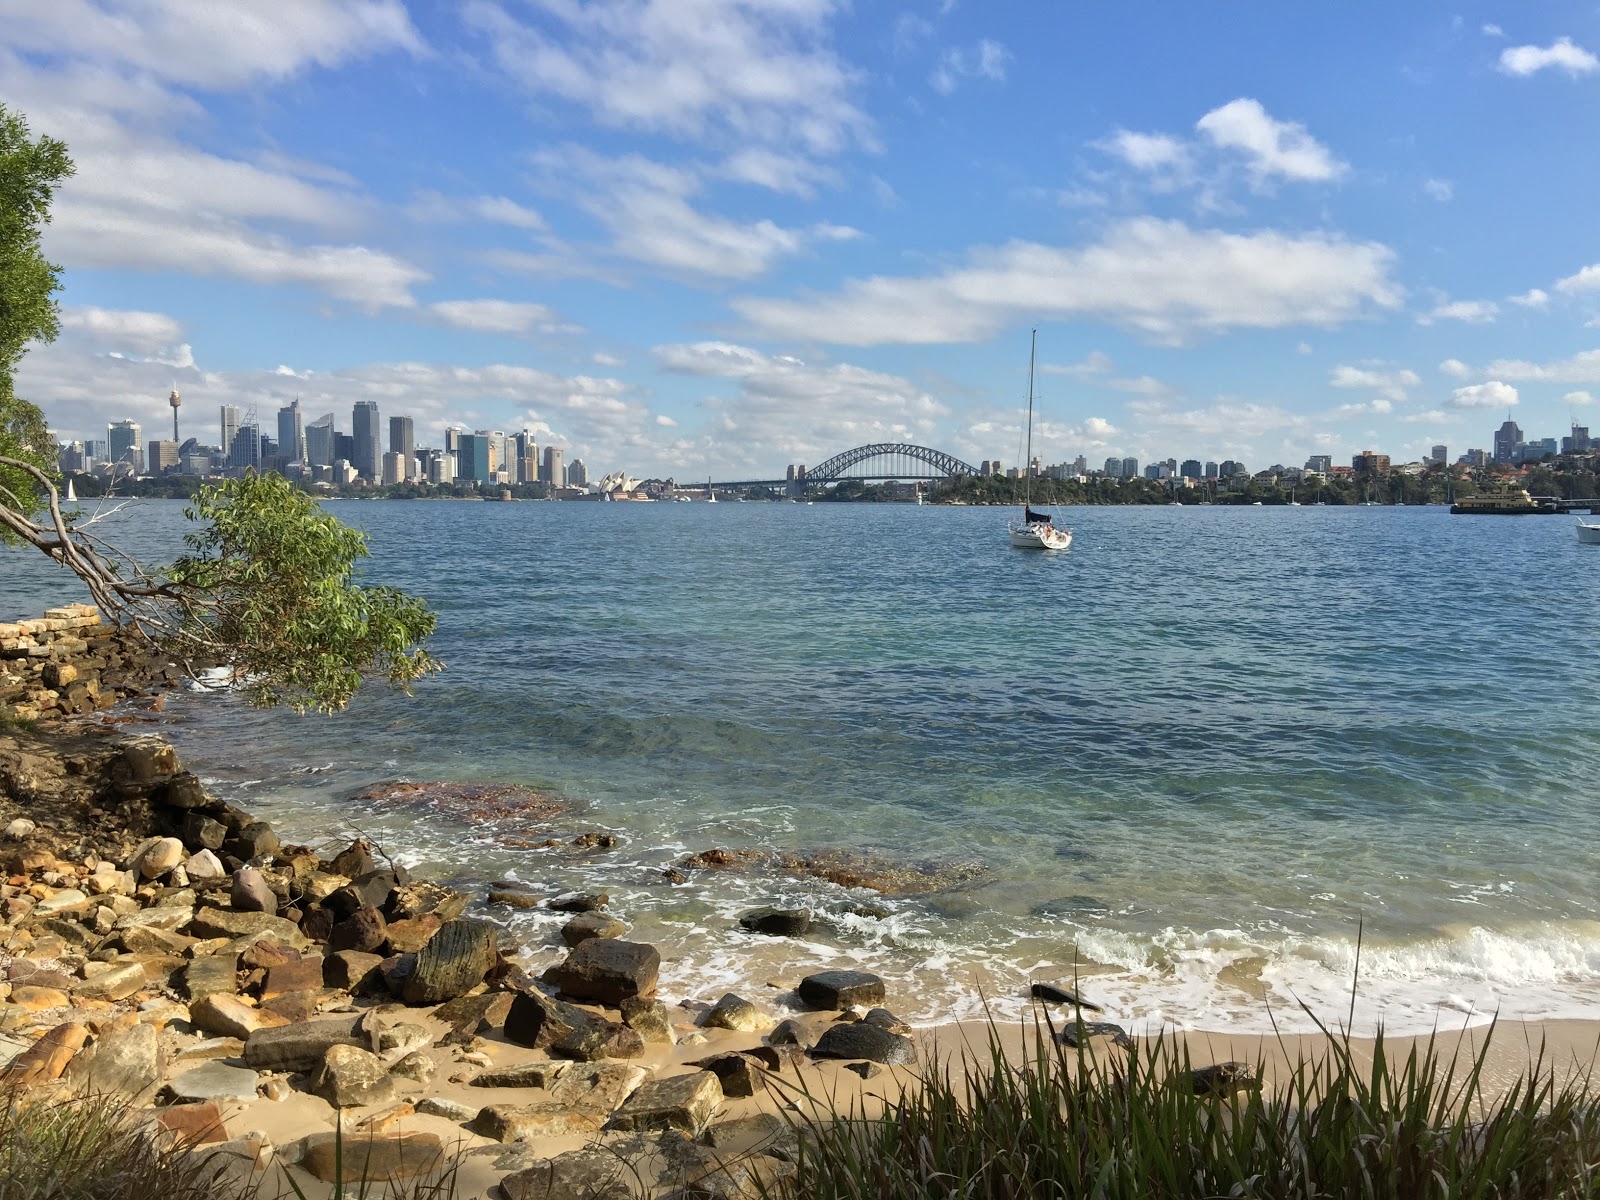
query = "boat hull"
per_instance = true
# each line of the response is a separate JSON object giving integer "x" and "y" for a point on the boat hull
{"x": 1040, "y": 537}
{"x": 1589, "y": 533}
{"x": 1503, "y": 510}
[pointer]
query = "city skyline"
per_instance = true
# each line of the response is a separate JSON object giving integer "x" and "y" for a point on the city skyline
{"x": 723, "y": 237}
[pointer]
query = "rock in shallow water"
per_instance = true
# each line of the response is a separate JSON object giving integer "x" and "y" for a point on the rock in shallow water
{"x": 841, "y": 989}
{"x": 778, "y": 922}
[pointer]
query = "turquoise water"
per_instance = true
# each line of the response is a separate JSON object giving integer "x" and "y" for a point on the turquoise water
{"x": 1192, "y": 755}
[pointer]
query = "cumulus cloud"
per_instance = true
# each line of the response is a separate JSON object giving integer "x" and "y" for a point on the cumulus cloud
{"x": 1158, "y": 278}
{"x": 1377, "y": 407}
{"x": 1532, "y": 298}
{"x": 1441, "y": 190}
{"x": 1096, "y": 362}
{"x": 498, "y": 316}
{"x": 1493, "y": 394}
{"x": 1455, "y": 368}
{"x": 1562, "y": 55}
{"x": 1271, "y": 147}
{"x": 1586, "y": 280}
{"x": 497, "y": 210}
{"x": 1577, "y": 398}
{"x": 985, "y": 60}
{"x": 1583, "y": 367}
{"x": 1470, "y": 312}
{"x": 1389, "y": 384}
{"x": 123, "y": 329}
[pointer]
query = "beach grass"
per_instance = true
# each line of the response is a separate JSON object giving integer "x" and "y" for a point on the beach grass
{"x": 1139, "y": 1123}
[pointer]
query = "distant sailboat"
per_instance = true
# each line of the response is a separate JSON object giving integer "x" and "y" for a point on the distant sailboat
{"x": 711, "y": 495}
{"x": 1034, "y": 531}
{"x": 72, "y": 496}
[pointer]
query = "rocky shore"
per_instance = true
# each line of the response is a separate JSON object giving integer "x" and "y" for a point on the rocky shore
{"x": 295, "y": 1012}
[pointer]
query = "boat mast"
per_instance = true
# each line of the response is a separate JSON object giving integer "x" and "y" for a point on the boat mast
{"x": 1027, "y": 462}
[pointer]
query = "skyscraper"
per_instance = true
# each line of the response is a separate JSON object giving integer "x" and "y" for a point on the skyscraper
{"x": 175, "y": 401}
{"x": 230, "y": 427}
{"x": 246, "y": 448}
{"x": 527, "y": 457}
{"x": 1440, "y": 455}
{"x": 320, "y": 449}
{"x": 368, "y": 459}
{"x": 472, "y": 458}
{"x": 163, "y": 457}
{"x": 1130, "y": 468}
{"x": 402, "y": 436}
{"x": 291, "y": 437}
{"x": 578, "y": 473}
{"x": 553, "y": 474}
{"x": 1506, "y": 440}
{"x": 123, "y": 439}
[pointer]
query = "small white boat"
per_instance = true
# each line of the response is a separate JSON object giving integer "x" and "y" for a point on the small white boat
{"x": 711, "y": 494}
{"x": 72, "y": 496}
{"x": 1589, "y": 532}
{"x": 1035, "y": 531}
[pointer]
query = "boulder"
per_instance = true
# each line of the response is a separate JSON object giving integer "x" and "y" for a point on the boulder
{"x": 591, "y": 925}
{"x": 196, "y": 1124}
{"x": 157, "y": 856}
{"x": 885, "y": 1019}
{"x": 1223, "y": 1079}
{"x": 417, "y": 1067}
{"x": 1079, "y": 1032}
{"x": 229, "y": 1016}
{"x": 778, "y": 922}
{"x": 214, "y": 1081}
{"x": 607, "y": 971}
{"x": 363, "y": 930}
{"x": 738, "y": 1014}
{"x": 253, "y": 841}
{"x": 227, "y": 923}
{"x": 19, "y": 829}
{"x": 841, "y": 989}
{"x": 62, "y": 900}
{"x": 205, "y": 866}
{"x": 304, "y": 1045}
{"x": 526, "y": 1122}
{"x": 47, "y": 1058}
{"x": 450, "y": 1110}
{"x": 514, "y": 895}
{"x": 579, "y": 902}
{"x": 251, "y": 893}
{"x": 529, "y": 1075}
{"x": 859, "y": 1040}
{"x": 410, "y": 935}
{"x": 305, "y": 975}
{"x": 128, "y": 1060}
{"x": 599, "y": 1039}
{"x": 209, "y": 976}
{"x": 420, "y": 898}
{"x": 536, "y": 1020}
{"x": 575, "y": 1175}
{"x": 373, "y": 888}
{"x": 649, "y": 1018}
{"x": 469, "y": 1016}
{"x": 739, "y": 1074}
{"x": 200, "y": 833}
{"x": 402, "y": 1038}
{"x": 350, "y": 1077}
{"x": 374, "y": 1158}
{"x": 454, "y": 961}
{"x": 1051, "y": 994}
{"x": 682, "y": 1102}
{"x": 352, "y": 970}
{"x": 117, "y": 983}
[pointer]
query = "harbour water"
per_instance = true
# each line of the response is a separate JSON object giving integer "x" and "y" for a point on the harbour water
{"x": 1194, "y": 758}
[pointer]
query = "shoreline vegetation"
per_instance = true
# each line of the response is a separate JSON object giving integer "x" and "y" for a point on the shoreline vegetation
{"x": 272, "y": 1019}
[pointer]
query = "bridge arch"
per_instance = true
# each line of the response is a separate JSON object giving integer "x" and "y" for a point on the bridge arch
{"x": 902, "y": 460}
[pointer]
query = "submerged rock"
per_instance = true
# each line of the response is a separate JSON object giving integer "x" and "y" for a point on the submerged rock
{"x": 841, "y": 989}
{"x": 778, "y": 922}
{"x": 1051, "y": 994}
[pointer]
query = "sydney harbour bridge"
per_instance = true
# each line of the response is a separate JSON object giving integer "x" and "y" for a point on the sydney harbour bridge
{"x": 878, "y": 462}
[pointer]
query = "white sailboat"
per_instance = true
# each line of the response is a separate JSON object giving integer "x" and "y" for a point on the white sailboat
{"x": 72, "y": 496}
{"x": 1034, "y": 531}
{"x": 711, "y": 495}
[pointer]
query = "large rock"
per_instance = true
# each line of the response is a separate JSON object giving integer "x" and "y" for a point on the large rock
{"x": 536, "y": 1020}
{"x": 578, "y": 1102}
{"x": 682, "y": 1102}
{"x": 607, "y": 971}
{"x": 454, "y": 961}
{"x": 778, "y": 922}
{"x": 649, "y": 1017}
{"x": 211, "y": 975}
{"x": 352, "y": 970}
{"x": 250, "y": 892}
{"x": 47, "y": 1058}
{"x": 529, "y": 1075}
{"x": 575, "y": 1175}
{"x": 350, "y": 1077}
{"x": 229, "y": 1016}
{"x": 122, "y": 1060}
{"x": 841, "y": 989}
{"x": 412, "y": 934}
{"x": 870, "y": 1042}
{"x": 117, "y": 983}
{"x": 214, "y": 1081}
{"x": 157, "y": 856}
{"x": 468, "y": 1016}
{"x": 228, "y": 923}
{"x": 304, "y": 975}
{"x": 364, "y": 930}
{"x": 740, "y": 1074}
{"x": 591, "y": 925}
{"x": 302, "y": 1046}
{"x": 597, "y": 1040}
{"x": 738, "y": 1014}
{"x": 375, "y": 1158}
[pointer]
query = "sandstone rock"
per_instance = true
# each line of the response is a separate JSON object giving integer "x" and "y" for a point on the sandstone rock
{"x": 1222, "y": 1079}
{"x": 353, "y": 861}
{"x": 863, "y": 1041}
{"x": 841, "y": 989}
{"x": 683, "y": 1102}
{"x": 778, "y": 922}
{"x": 420, "y": 898}
{"x": 591, "y": 925}
{"x": 402, "y": 1038}
{"x": 536, "y": 1020}
{"x": 158, "y": 856}
{"x": 454, "y": 961}
{"x": 450, "y": 1110}
{"x": 47, "y": 1058}
{"x": 306, "y": 975}
{"x": 1079, "y": 1032}
{"x": 885, "y": 1019}
{"x": 529, "y": 1075}
{"x": 65, "y": 900}
{"x": 122, "y": 1060}
{"x": 253, "y": 841}
{"x": 599, "y": 1039}
{"x": 579, "y": 902}
{"x": 410, "y": 935}
{"x": 575, "y": 1175}
{"x": 296, "y": 1006}
{"x": 214, "y": 1081}
{"x": 226, "y": 923}
{"x": 607, "y": 971}
{"x": 739, "y": 1074}
{"x": 363, "y": 931}
{"x": 34, "y": 999}
{"x": 352, "y": 970}
{"x": 867, "y": 1070}
{"x": 170, "y": 918}
{"x": 303, "y": 1046}
{"x": 229, "y": 1016}
{"x": 205, "y": 866}
{"x": 208, "y": 1050}
{"x": 649, "y": 1018}
{"x": 377, "y": 1158}
{"x": 596, "y": 1087}
{"x": 514, "y": 895}
{"x": 759, "y": 1133}
{"x": 196, "y": 1124}
{"x": 118, "y": 983}
{"x": 416, "y": 1066}
{"x": 200, "y": 833}
{"x": 469, "y": 1016}
{"x": 738, "y": 1014}
{"x": 525, "y": 1122}
{"x": 351, "y": 1076}
{"x": 250, "y": 892}
{"x": 182, "y": 791}
{"x": 275, "y": 1088}
{"x": 210, "y": 975}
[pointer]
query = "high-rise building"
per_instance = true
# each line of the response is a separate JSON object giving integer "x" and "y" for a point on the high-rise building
{"x": 163, "y": 457}
{"x": 1114, "y": 468}
{"x": 527, "y": 457}
{"x": 368, "y": 456}
{"x": 230, "y": 426}
{"x": 452, "y": 438}
{"x": 291, "y": 435}
{"x": 441, "y": 467}
{"x": 1368, "y": 463}
{"x": 69, "y": 457}
{"x": 553, "y": 474}
{"x": 1191, "y": 468}
{"x": 472, "y": 458}
{"x": 578, "y": 474}
{"x": 320, "y": 448}
{"x": 1130, "y": 468}
{"x": 344, "y": 446}
{"x": 123, "y": 445}
{"x": 1579, "y": 442}
{"x": 1320, "y": 463}
{"x": 1476, "y": 458}
{"x": 246, "y": 449}
{"x": 97, "y": 449}
{"x": 1440, "y": 456}
{"x": 402, "y": 437}
{"x": 1506, "y": 440}
{"x": 1212, "y": 470}
{"x": 396, "y": 468}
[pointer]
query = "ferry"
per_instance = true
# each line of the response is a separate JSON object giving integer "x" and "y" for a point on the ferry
{"x": 1507, "y": 501}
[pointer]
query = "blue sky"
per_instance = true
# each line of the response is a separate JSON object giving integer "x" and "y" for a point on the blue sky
{"x": 702, "y": 237}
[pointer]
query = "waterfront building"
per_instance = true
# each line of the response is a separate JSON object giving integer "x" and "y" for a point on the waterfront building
{"x": 245, "y": 452}
{"x": 344, "y": 446}
{"x": 1191, "y": 468}
{"x": 578, "y": 474}
{"x": 527, "y": 450}
{"x": 1579, "y": 442}
{"x": 394, "y": 469}
{"x": 1212, "y": 470}
{"x": 1475, "y": 458}
{"x": 230, "y": 426}
{"x": 196, "y": 464}
{"x": 291, "y": 433}
{"x": 162, "y": 457}
{"x": 1320, "y": 463}
{"x": 344, "y": 472}
{"x": 1440, "y": 456}
{"x": 1535, "y": 451}
{"x": 553, "y": 472}
{"x": 441, "y": 467}
{"x": 1113, "y": 468}
{"x": 1506, "y": 440}
{"x": 1368, "y": 463}
{"x": 122, "y": 440}
{"x": 320, "y": 450}
{"x": 472, "y": 458}
{"x": 1130, "y": 468}
{"x": 367, "y": 440}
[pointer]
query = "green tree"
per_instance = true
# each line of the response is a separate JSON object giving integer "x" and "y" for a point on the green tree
{"x": 268, "y": 590}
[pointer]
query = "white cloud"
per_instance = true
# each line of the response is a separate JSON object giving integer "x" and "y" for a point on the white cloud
{"x": 1303, "y": 348}
{"x": 1441, "y": 190}
{"x": 1563, "y": 54}
{"x": 665, "y": 421}
{"x": 1147, "y": 151}
{"x": 1432, "y": 417}
{"x": 601, "y": 359}
{"x": 1532, "y": 298}
{"x": 1230, "y": 423}
{"x": 1470, "y": 312}
{"x": 1143, "y": 385}
{"x": 1388, "y": 384}
{"x": 726, "y": 70}
{"x": 1492, "y": 30}
{"x": 1368, "y": 408}
{"x": 123, "y": 329}
{"x": 1577, "y": 398}
{"x": 1096, "y": 362}
{"x": 985, "y": 60}
{"x": 498, "y": 210}
{"x": 1281, "y": 148}
{"x": 1586, "y": 280}
{"x": 1583, "y": 367}
{"x": 1493, "y": 394}
{"x": 497, "y": 316}
{"x": 791, "y": 174}
{"x": 1455, "y": 368}
{"x": 1159, "y": 278}
{"x": 646, "y": 205}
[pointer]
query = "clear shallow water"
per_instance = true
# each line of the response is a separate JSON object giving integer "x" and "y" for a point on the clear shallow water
{"x": 1192, "y": 754}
